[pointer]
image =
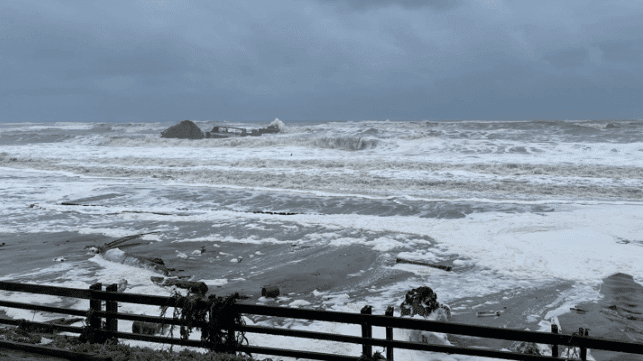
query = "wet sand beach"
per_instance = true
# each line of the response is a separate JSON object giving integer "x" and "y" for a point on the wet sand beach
{"x": 617, "y": 316}
{"x": 25, "y": 252}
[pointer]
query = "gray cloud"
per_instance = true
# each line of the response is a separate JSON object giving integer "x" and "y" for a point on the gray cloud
{"x": 410, "y": 4}
{"x": 568, "y": 58}
{"x": 45, "y": 91}
{"x": 318, "y": 59}
{"x": 53, "y": 54}
{"x": 626, "y": 51}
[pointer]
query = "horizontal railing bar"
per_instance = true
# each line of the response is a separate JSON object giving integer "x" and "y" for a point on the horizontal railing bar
{"x": 295, "y": 353}
{"x": 87, "y": 294}
{"x": 135, "y": 298}
{"x": 442, "y": 327}
{"x": 603, "y": 344}
{"x": 307, "y": 334}
{"x": 44, "y": 290}
{"x": 150, "y": 338}
{"x": 70, "y": 355}
{"x": 27, "y": 306}
{"x": 64, "y": 328}
{"x": 330, "y": 316}
{"x": 393, "y": 343}
{"x": 144, "y": 318}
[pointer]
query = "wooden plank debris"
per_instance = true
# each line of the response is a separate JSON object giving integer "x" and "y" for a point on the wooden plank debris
{"x": 422, "y": 263}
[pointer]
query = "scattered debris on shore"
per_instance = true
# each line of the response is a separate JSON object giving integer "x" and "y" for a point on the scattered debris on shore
{"x": 488, "y": 313}
{"x": 421, "y": 263}
{"x": 119, "y": 243}
{"x": 122, "y": 240}
{"x": 270, "y": 291}
{"x": 275, "y": 213}
{"x": 196, "y": 288}
{"x": 422, "y": 301}
{"x": 111, "y": 251}
{"x": 97, "y": 205}
{"x": 148, "y": 328}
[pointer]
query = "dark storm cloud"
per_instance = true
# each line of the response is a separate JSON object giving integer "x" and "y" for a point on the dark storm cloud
{"x": 318, "y": 59}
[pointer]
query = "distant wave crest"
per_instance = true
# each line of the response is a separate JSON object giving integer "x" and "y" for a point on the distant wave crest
{"x": 342, "y": 143}
{"x": 346, "y": 143}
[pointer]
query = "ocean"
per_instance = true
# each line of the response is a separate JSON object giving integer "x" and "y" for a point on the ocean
{"x": 324, "y": 211}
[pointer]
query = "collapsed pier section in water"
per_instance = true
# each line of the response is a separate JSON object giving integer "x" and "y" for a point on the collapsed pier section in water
{"x": 188, "y": 130}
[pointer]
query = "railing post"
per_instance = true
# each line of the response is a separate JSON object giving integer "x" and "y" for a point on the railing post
{"x": 367, "y": 332}
{"x": 95, "y": 305}
{"x": 232, "y": 341}
{"x": 112, "y": 306}
{"x": 554, "y": 348}
{"x": 389, "y": 334}
{"x": 583, "y": 349}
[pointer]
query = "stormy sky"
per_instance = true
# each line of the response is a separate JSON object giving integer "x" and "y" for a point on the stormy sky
{"x": 318, "y": 60}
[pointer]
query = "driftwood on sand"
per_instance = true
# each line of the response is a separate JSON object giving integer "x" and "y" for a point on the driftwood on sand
{"x": 98, "y": 205}
{"x": 120, "y": 241}
{"x": 422, "y": 263}
{"x": 112, "y": 252}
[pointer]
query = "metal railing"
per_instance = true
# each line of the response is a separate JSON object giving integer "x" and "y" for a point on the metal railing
{"x": 365, "y": 319}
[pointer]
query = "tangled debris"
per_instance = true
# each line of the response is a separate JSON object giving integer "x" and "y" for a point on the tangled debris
{"x": 215, "y": 316}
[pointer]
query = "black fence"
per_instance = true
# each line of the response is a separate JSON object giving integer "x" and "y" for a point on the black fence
{"x": 96, "y": 296}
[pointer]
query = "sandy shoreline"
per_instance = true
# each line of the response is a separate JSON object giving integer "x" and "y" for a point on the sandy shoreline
{"x": 617, "y": 316}
{"x": 28, "y": 251}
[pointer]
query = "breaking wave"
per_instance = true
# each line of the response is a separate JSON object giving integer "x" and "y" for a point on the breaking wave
{"x": 342, "y": 143}
{"x": 348, "y": 143}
